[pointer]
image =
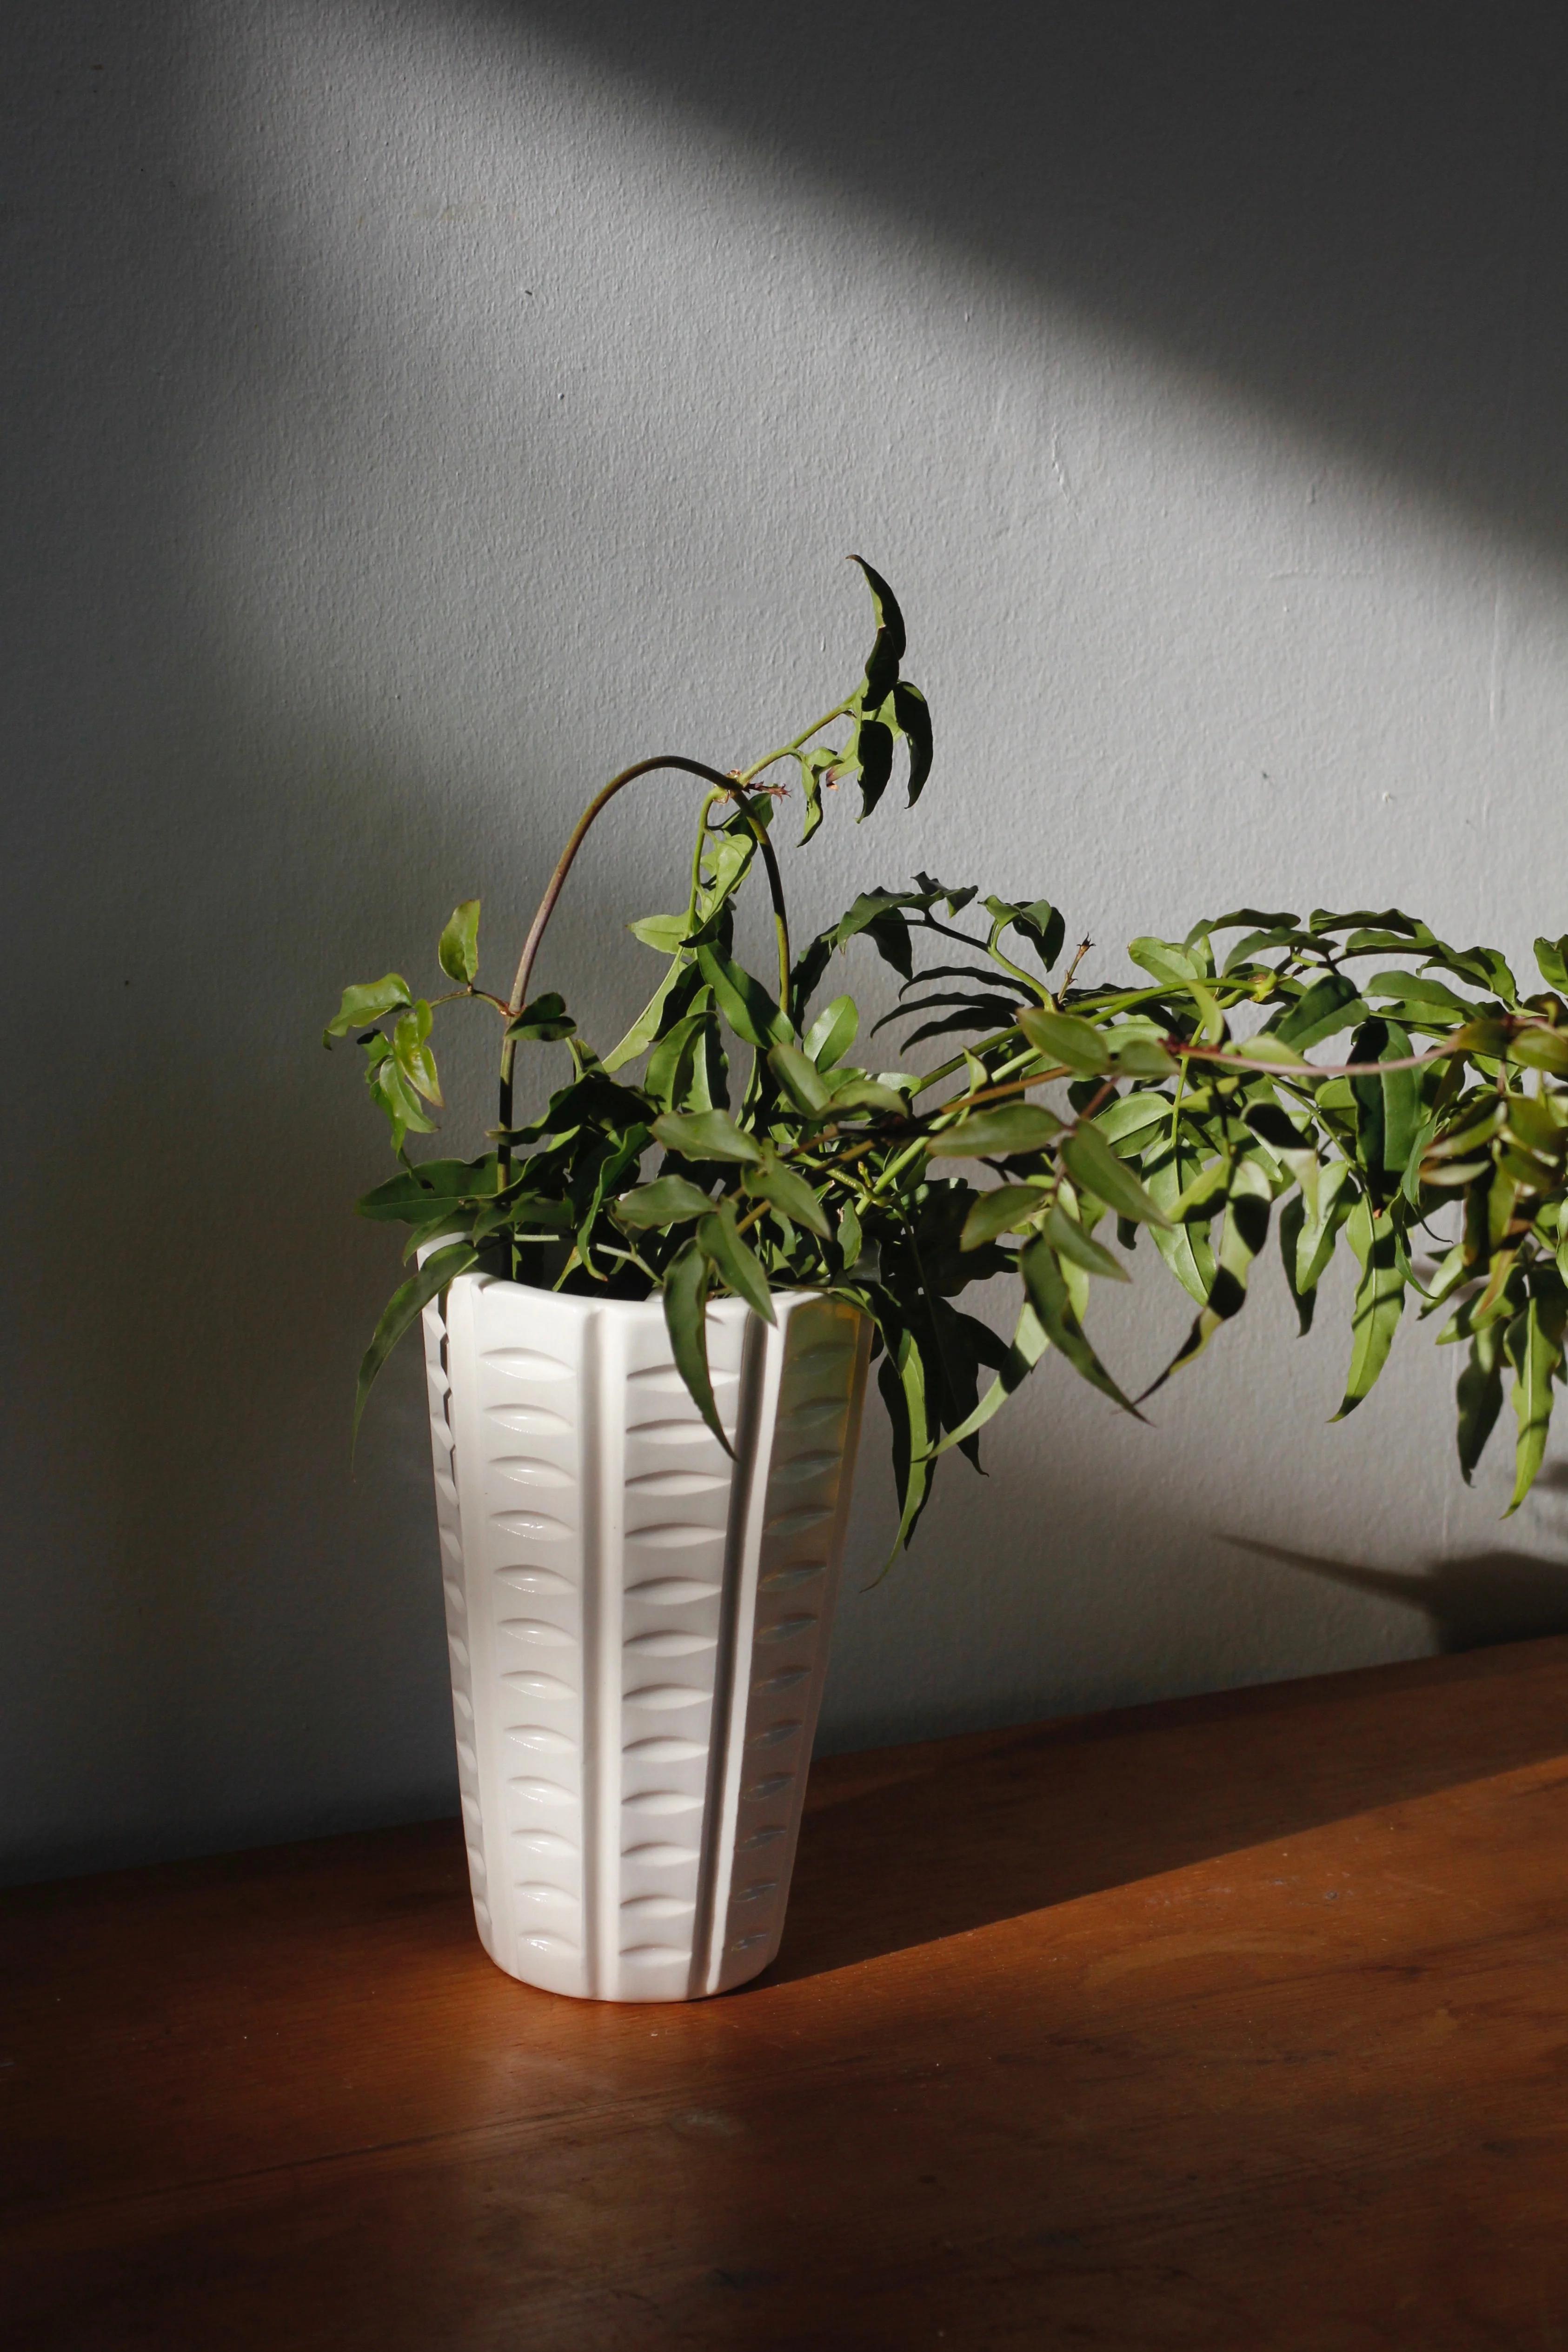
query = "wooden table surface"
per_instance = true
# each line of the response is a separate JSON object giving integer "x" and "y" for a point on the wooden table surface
{"x": 1234, "y": 2022}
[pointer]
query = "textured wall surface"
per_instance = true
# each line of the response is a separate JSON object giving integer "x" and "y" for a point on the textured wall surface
{"x": 416, "y": 410}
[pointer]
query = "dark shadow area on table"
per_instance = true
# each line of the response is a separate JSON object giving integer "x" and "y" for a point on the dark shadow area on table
{"x": 1352, "y": 221}
{"x": 908, "y": 1846}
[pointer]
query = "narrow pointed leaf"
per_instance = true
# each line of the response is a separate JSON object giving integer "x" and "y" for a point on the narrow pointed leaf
{"x": 402, "y": 1308}
{"x": 1030, "y": 1344}
{"x": 789, "y": 1193}
{"x": 1048, "y": 1296}
{"x": 887, "y": 651}
{"x": 1067, "y": 1238}
{"x": 1007, "y": 1210}
{"x": 728, "y": 1252}
{"x": 833, "y": 1033}
{"x": 1093, "y": 1164}
{"x": 412, "y": 1051}
{"x": 1551, "y": 956}
{"x": 1331, "y": 1005}
{"x": 706, "y": 1135}
{"x": 686, "y": 1319}
{"x": 901, "y": 1379}
{"x": 1534, "y": 1343}
{"x": 800, "y": 1078}
{"x": 668, "y": 1200}
{"x": 365, "y": 1003}
{"x": 1478, "y": 1395}
{"x": 1242, "y": 1236}
{"x": 999, "y": 1132}
{"x": 1379, "y": 1299}
{"x": 744, "y": 1002}
{"x": 1063, "y": 1038}
{"x": 910, "y": 712}
{"x": 665, "y": 932}
{"x": 458, "y": 950}
{"x": 543, "y": 1023}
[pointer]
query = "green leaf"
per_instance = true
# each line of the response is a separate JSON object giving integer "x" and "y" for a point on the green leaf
{"x": 998, "y": 1133}
{"x": 413, "y": 1054}
{"x": 1067, "y": 1238}
{"x": 1043, "y": 925}
{"x": 1207, "y": 1186}
{"x": 1534, "y": 1343}
{"x": 665, "y": 932}
{"x": 1292, "y": 1218}
{"x": 1321, "y": 1227}
{"x": 833, "y": 1033}
{"x": 706, "y": 1135}
{"x": 887, "y": 651}
{"x": 366, "y": 1002}
{"x": 1141, "y": 1057}
{"x": 817, "y": 768}
{"x": 1388, "y": 1105}
{"x": 459, "y": 946}
{"x": 417, "y": 1194}
{"x": 1379, "y": 1299}
{"x": 675, "y": 992}
{"x": 912, "y": 717}
{"x": 1245, "y": 1231}
{"x": 744, "y": 1002}
{"x": 865, "y": 1094}
{"x": 1551, "y": 956}
{"x": 1478, "y": 1395}
{"x": 789, "y": 1193}
{"x": 800, "y": 1079}
{"x": 1064, "y": 1038}
{"x": 1541, "y": 1049}
{"x": 544, "y": 1021}
{"x": 668, "y": 1200}
{"x": 1030, "y": 1344}
{"x": 1132, "y": 1115}
{"x": 1263, "y": 1046}
{"x": 1486, "y": 1037}
{"x": 1091, "y": 1163}
{"x": 901, "y": 1378}
{"x": 1047, "y": 1295}
{"x": 686, "y": 1319}
{"x": 873, "y": 751}
{"x": 1165, "y": 961}
{"x": 1419, "y": 993}
{"x": 1185, "y": 1247}
{"x": 729, "y": 1253}
{"x": 1331, "y": 1005}
{"x": 400, "y": 1310}
{"x": 1007, "y": 1210}
{"x": 391, "y": 1090}
{"x": 672, "y": 1064}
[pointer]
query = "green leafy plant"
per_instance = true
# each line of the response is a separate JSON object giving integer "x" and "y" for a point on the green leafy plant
{"x": 729, "y": 1143}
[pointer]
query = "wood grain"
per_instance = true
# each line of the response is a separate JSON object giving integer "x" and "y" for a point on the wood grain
{"x": 1233, "y": 2022}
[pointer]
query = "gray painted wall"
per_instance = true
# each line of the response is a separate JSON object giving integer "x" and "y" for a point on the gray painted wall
{"x": 415, "y": 411}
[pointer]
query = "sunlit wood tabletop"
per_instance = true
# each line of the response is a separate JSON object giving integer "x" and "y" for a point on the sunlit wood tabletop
{"x": 1230, "y": 2021}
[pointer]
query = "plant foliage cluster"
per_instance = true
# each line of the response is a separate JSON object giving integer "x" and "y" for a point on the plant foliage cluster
{"x": 738, "y": 1140}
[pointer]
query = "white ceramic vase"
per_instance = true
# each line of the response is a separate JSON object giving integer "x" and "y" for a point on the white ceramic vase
{"x": 639, "y": 1624}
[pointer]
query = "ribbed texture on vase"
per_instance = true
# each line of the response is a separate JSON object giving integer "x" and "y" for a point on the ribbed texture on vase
{"x": 637, "y": 1623}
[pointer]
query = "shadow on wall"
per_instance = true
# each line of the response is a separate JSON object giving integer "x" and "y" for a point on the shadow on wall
{"x": 1473, "y": 1601}
{"x": 1357, "y": 217}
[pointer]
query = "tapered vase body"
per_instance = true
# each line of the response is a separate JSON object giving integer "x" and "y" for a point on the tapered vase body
{"x": 637, "y": 1623}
